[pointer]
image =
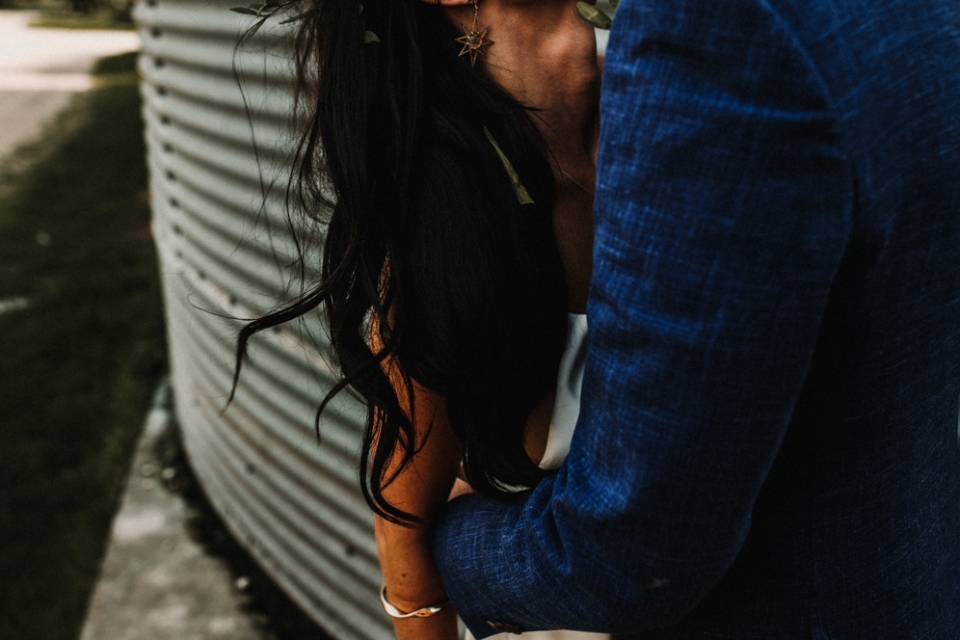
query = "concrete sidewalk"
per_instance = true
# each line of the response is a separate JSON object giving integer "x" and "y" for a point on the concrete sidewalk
{"x": 41, "y": 68}
{"x": 156, "y": 582}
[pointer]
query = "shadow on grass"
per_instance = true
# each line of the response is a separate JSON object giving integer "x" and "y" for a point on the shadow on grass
{"x": 79, "y": 356}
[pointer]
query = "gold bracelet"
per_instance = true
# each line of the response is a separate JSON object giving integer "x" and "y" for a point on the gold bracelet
{"x": 424, "y": 612}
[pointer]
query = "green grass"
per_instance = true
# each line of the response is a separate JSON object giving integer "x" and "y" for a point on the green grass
{"x": 97, "y": 19}
{"x": 78, "y": 365}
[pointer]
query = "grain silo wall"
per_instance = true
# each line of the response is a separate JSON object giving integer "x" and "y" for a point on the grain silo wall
{"x": 214, "y": 150}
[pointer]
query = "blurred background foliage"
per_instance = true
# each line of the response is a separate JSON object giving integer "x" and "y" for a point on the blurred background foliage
{"x": 77, "y": 14}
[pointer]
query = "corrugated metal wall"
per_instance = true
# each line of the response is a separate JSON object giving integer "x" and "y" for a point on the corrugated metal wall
{"x": 295, "y": 505}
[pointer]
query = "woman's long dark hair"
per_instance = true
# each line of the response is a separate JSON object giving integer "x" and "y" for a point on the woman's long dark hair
{"x": 426, "y": 234}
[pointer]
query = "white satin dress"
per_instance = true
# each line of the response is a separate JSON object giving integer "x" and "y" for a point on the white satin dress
{"x": 566, "y": 409}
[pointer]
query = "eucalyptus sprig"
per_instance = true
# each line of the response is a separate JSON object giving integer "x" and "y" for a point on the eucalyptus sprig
{"x": 265, "y": 10}
{"x": 596, "y": 17}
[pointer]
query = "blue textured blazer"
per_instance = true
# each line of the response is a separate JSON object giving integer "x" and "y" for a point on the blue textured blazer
{"x": 768, "y": 446}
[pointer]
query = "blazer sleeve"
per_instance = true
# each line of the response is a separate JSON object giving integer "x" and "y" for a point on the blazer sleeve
{"x": 723, "y": 207}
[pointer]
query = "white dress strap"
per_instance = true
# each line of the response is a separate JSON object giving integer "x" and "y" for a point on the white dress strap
{"x": 566, "y": 406}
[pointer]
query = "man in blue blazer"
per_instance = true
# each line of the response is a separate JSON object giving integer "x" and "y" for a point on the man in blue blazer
{"x": 768, "y": 445}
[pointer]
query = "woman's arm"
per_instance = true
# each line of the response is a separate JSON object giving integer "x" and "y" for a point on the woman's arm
{"x": 411, "y": 579}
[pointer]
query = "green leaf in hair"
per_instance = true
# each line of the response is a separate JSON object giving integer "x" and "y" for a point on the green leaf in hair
{"x": 523, "y": 196}
{"x": 593, "y": 16}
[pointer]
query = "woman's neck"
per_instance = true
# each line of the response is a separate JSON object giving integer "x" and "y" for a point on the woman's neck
{"x": 544, "y": 56}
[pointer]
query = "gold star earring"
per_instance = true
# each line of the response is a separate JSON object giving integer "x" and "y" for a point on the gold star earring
{"x": 473, "y": 38}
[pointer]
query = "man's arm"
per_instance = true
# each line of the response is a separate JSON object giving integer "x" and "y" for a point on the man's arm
{"x": 723, "y": 208}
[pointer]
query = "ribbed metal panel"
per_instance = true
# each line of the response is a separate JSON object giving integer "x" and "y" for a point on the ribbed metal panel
{"x": 295, "y": 505}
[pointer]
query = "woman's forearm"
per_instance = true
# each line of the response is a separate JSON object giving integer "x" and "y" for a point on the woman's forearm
{"x": 412, "y": 582}
{"x": 422, "y": 486}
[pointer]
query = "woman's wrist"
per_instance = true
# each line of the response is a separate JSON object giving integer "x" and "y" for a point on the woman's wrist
{"x": 442, "y": 626}
{"x": 410, "y": 596}
{"x": 412, "y": 580}
{"x": 425, "y": 611}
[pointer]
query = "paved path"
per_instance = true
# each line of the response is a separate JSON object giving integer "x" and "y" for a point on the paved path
{"x": 41, "y": 68}
{"x": 156, "y": 582}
